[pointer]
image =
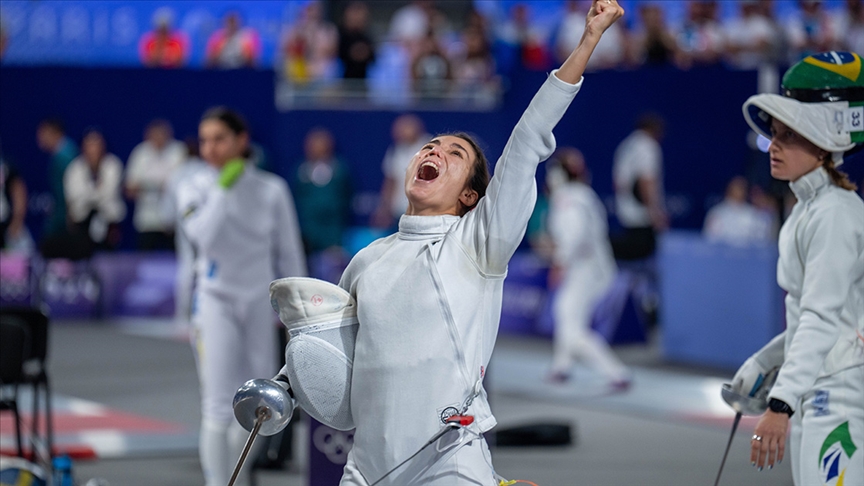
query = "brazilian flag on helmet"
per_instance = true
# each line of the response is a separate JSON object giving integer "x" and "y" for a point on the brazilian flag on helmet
{"x": 823, "y": 100}
{"x": 829, "y": 76}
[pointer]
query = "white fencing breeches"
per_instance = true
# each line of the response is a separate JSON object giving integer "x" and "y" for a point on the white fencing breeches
{"x": 234, "y": 343}
{"x": 574, "y": 339}
{"x": 827, "y": 440}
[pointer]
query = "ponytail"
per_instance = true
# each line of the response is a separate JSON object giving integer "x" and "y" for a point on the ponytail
{"x": 840, "y": 179}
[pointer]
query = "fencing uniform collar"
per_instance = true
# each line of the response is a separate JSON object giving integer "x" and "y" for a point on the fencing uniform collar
{"x": 420, "y": 227}
{"x": 806, "y": 186}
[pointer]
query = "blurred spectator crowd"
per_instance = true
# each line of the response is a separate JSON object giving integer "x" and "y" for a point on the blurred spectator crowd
{"x": 429, "y": 49}
{"x": 434, "y": 48}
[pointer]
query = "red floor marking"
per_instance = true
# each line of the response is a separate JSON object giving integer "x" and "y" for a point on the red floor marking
{"x": 65, "y": 422}
{"x": 746, "y": 421}
{"x": 75, "y": 451}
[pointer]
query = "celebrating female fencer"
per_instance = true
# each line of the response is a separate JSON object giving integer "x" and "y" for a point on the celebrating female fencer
{"x": 820, "y": 384}
{"x": 428, "y": 300}
{"x": 242, "y": 225}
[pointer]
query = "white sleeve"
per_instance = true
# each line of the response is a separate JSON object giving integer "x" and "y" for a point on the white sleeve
{"x": 830, "y": 251}
{"x": 499, "y": 221}
{"x": 289, "y": 256}
{"x": 203, "y": 214}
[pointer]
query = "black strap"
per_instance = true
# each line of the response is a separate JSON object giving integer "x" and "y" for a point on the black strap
{"x": 855, "y": 93}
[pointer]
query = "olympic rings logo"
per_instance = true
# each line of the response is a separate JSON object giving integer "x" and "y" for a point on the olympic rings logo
{"x": 333, "y": 443}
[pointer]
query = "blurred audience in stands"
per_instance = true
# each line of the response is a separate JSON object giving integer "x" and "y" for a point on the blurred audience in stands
{"x": 233, "y": 46}
{"x": 527, "y": 39}
{"x": 849, "y": 22}
{"x": 700, "y": 39}
{"x": 309, "y": 47}
{"x": 356, "y": 46}
{"x": 164, "y": 46}
{"x": 150, "y": 166}
{"x": 474, "y": 67}
{"x": 610, "y": 52}
{"x": 411, "y": 24}
{"x": 754, "y": 37}
{"x": 811, "y": 32}
{"x": 431, "y": 71}
{"x": 652, "y": 43}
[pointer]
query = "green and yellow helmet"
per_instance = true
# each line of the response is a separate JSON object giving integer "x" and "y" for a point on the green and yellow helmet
{"x": 823, "y": 100}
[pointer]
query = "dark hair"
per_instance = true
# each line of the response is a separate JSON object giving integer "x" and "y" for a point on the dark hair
{"x": 53, "y": 123}
{"x": 94, "y": 130}
{"x": 159, "y": 123}
{"x": 480, "y": 175}
{"x": 233, "y": 120}
{"x": 651, "y": 122}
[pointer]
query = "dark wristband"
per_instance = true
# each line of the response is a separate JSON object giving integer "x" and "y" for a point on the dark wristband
{"x": 284, "y": 379}
{"x": 779, "y": 406}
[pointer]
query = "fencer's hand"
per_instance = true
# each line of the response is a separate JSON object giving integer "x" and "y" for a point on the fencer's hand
{"x": 771, "y": 446}
{"x": 602, "y": 15}
{"x": 231, "y": 172}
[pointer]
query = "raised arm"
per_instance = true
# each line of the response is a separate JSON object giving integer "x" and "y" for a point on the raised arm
{"x": 495, "y": 228}
{"x": 601, "y": 16}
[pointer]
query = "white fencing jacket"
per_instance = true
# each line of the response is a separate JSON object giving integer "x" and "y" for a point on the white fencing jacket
{"x": 429, "y": 302}
{"x": 821, "y": 267}
{"x": 245, "y": 236}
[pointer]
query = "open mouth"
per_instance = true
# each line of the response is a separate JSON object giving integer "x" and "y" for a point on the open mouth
{"x": 427, "y": 171}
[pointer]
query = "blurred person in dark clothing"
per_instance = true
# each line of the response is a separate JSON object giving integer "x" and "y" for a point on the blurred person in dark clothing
{"x": 13, "y": 208}
{"x": 356, "y": 49}
{"x": 51, "y": 138}
{"x": 322, "y": 190}
{"x": 474, "y": 69}
{"x": 431, "y": 71}
{"x": 653, "y": 44}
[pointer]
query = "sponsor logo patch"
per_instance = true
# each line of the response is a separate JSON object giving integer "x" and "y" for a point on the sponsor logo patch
{"x": 820, "y": 403}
